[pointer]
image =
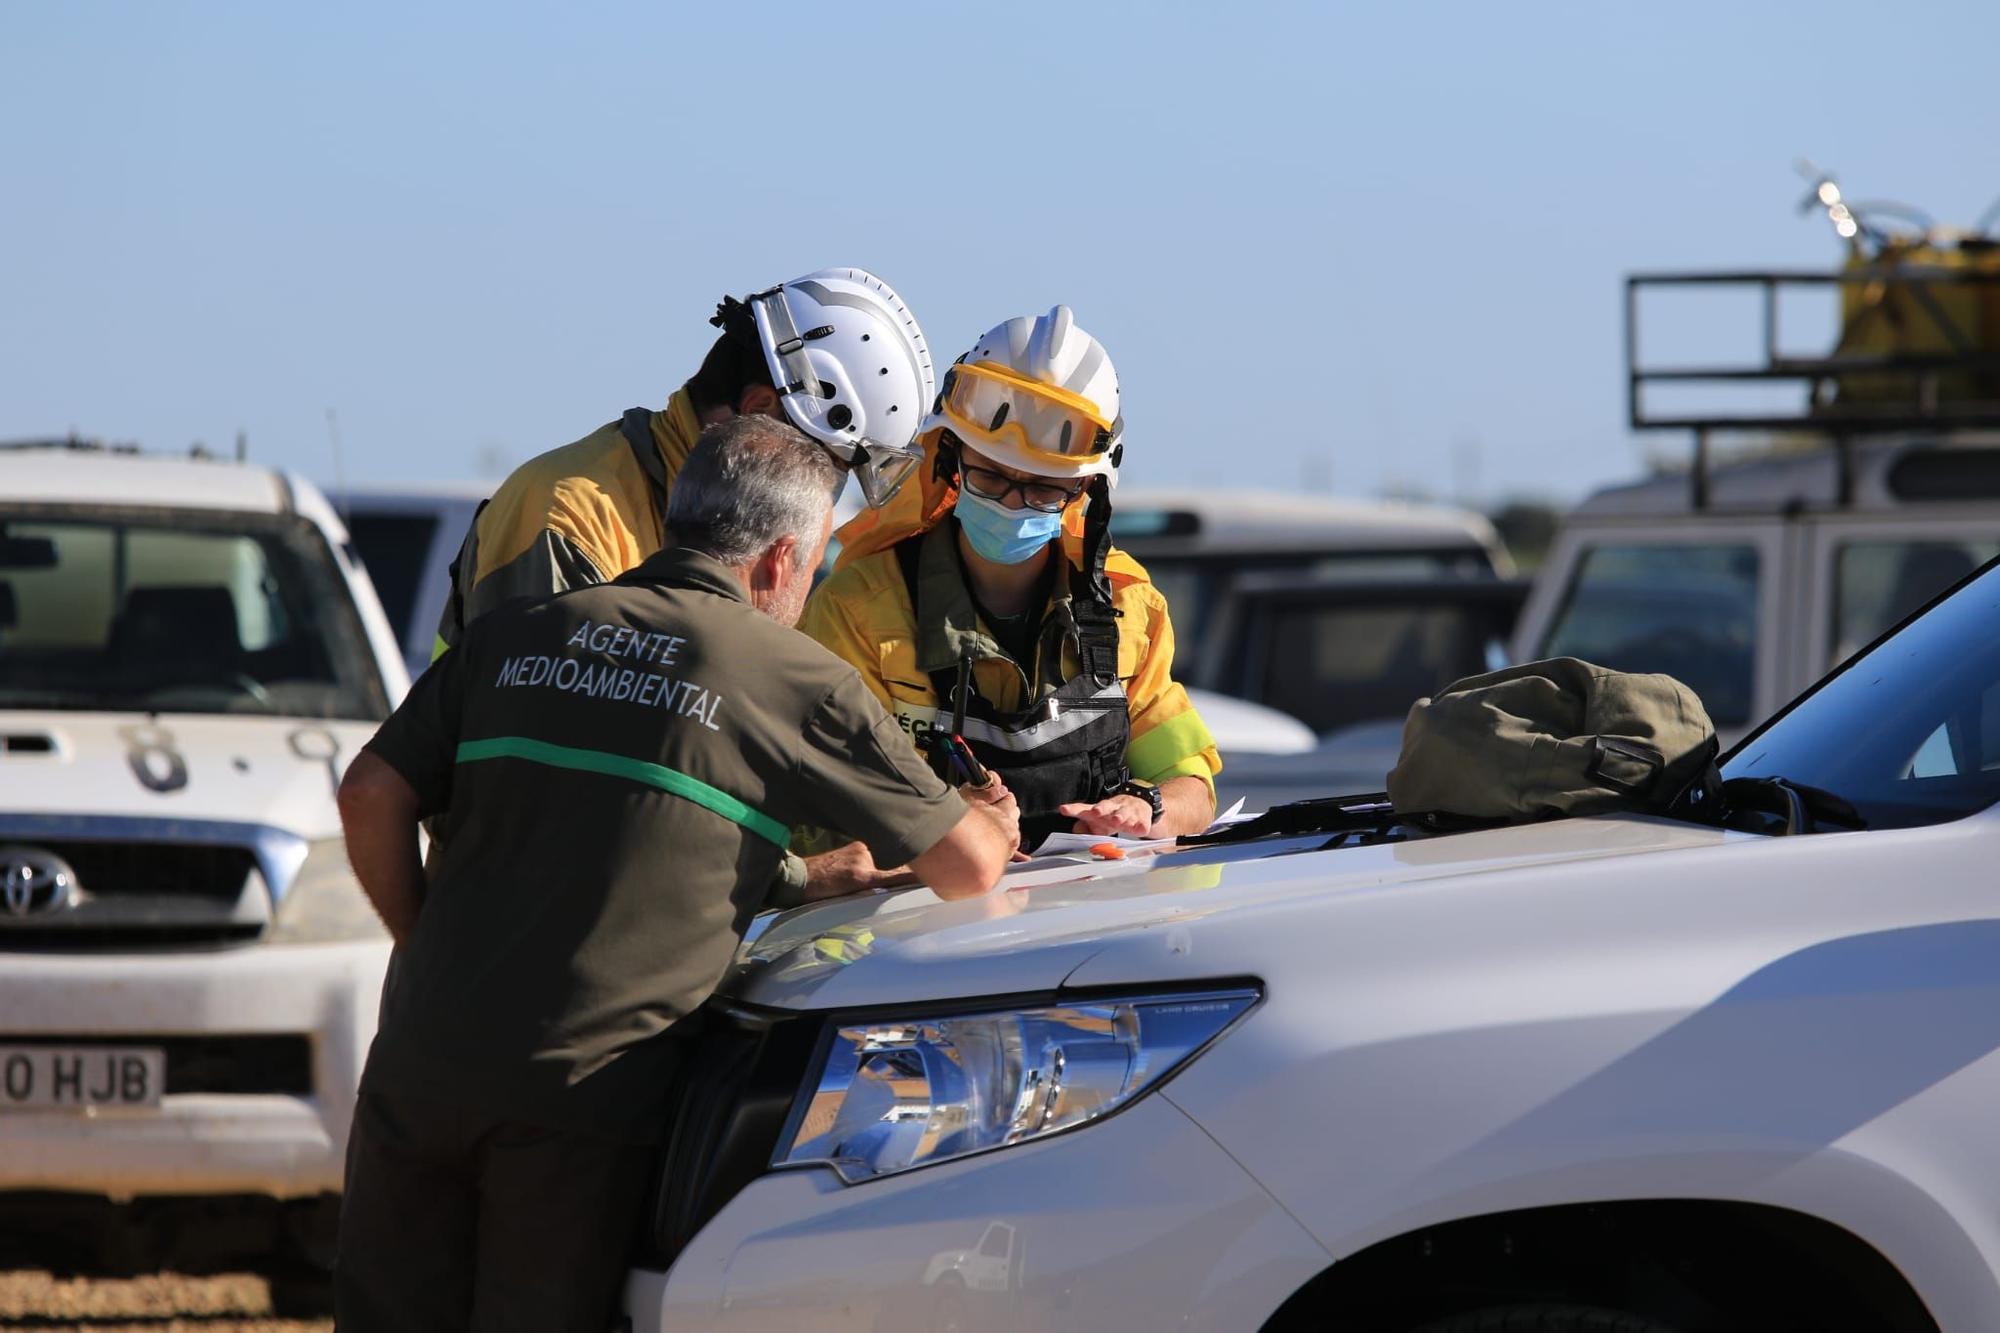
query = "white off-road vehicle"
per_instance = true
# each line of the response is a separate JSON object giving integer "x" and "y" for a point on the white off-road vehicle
{"x": 1617, "y": 1074}
{"x": 189, "y": 976}
{"x": 1872, "y": 481}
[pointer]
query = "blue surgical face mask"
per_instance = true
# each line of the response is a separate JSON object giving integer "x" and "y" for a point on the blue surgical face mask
{"x": 1005, "y": 536}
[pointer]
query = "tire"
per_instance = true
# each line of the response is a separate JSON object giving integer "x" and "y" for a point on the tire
{"x": 948, "y": 1306}
{"x": 1540, "y": 1318}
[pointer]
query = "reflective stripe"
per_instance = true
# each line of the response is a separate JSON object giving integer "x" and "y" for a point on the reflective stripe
{"x": 637, "y": 770}
{"x": 1033, "y": 737}
{"x": 1181, "y": 737}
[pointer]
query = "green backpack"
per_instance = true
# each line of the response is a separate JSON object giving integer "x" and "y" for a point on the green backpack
{"x": 1553, "y": 738}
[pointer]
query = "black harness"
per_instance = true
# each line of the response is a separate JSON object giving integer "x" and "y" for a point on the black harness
{"x": 637, "y": 428}
{"x": 1068, "y": 746}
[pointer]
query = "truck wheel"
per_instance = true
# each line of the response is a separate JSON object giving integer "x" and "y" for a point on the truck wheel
{"x": 1546, "y": 1319}
{"x": 948, "y": 1306}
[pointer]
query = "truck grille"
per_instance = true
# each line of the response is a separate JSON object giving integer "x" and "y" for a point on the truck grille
{"x": 240, "y": 1064}
{"x": 734, "y": 1089}
{"x": 142, "y": 893}
{"x": 158, "y": 869}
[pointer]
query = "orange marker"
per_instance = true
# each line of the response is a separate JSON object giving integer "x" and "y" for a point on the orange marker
{"x": 1108, "y": 851}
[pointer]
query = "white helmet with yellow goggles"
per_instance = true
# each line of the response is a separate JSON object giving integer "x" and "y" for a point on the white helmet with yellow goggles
{"x": 850, "y": 366}
{"x": 1037, "y": 395}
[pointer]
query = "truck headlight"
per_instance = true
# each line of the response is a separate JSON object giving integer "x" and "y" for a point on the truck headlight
{"x": 897, "y": 1094}
{"x": 324, "y": 903}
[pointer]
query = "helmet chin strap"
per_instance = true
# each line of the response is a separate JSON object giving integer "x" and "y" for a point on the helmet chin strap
{"x": 945, "y": 458}
{"x": 1097, "y": 536}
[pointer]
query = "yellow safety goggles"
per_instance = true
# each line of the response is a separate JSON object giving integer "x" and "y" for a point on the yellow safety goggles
{"x": 985, "y": 401}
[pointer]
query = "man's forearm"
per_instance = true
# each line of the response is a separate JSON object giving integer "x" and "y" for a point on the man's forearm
{"x": 1190, "y": 806}
{"x": 378, "y": 813}
{"x": 393, "y": 878}
{"x": 849, "y": 869}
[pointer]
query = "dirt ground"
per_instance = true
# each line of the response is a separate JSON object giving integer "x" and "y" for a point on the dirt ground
{"x": 164, "y": 1303}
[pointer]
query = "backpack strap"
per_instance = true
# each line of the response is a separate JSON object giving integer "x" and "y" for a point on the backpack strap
{"x": 909, "y": 552}
{"x": 637, "y": 428}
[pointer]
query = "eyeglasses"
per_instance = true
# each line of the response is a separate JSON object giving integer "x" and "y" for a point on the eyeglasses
{"x": 1047, "y": 496}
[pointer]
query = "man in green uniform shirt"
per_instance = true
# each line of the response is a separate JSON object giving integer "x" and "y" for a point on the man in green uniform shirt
{"x": 618, "y": 769}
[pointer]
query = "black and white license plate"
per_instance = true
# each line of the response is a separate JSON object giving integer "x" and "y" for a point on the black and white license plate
{"x": 42, "y": 1078}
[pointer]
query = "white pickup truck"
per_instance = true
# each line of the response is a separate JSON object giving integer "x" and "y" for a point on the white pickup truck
{"x": 1605, "y": 1075}
{"x": 189, "y": 976}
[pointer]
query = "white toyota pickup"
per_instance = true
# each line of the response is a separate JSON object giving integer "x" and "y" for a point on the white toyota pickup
{"x": 189, "y": 976}
{"x": 1608, "y": 1074}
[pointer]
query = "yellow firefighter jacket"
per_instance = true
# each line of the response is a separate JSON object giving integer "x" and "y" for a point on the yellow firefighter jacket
{"x": 581, "y": 514}
{"x": 863, "y": 614}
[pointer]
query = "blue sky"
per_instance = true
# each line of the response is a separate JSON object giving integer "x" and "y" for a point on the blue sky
{"x": 1378, "y": 246}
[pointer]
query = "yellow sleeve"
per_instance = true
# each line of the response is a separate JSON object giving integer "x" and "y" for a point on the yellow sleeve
{"x": 829, "y": 622}
{"x": 832, "y": 619}
{"x": 1169, "y": 739}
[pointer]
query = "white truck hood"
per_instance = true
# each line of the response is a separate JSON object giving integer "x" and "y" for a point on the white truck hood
{"x": 1131, "y": 921}
{"x": 272, "y": 771}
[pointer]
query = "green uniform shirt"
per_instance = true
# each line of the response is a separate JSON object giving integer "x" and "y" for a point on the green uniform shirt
{"x": 618, "y": 768}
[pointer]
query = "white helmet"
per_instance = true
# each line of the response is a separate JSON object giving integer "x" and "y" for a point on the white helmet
{"x": 1037, "y": 395}
{"x": 852, "y": 369}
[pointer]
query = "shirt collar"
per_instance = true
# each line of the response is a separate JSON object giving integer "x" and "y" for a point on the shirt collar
{"x": 675, "y": 567}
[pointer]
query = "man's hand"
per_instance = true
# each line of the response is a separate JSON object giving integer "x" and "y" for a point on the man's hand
{"x": 993, "y": 793}
{"x": 846, "y": 870}
{"x": 851, "y": 869}
{"x": 1114, "y": 816}
{"x": 1189, "y": 801}
{"x": 998, "y": 804}
{"x": 969, "y": 860}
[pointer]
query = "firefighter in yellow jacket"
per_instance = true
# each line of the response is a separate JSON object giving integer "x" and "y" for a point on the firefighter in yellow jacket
{"x": 835, "y": 352}
{"x": 987, "y": 603}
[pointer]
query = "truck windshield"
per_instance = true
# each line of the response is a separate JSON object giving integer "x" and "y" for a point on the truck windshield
{"x": 1910, "y": 733}
{"x": 182, "y": 612}
{"x": 1687, "y": 611}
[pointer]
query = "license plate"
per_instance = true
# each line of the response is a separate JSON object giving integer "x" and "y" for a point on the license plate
{"x": 40, "y": 1078}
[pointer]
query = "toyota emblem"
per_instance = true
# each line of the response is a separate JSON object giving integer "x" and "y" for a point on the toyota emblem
{"x": 33, "y": 882}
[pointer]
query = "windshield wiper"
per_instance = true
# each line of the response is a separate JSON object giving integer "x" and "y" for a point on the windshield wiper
{"x": 1326, "y": 814}
{"x": 1796, "y": 806}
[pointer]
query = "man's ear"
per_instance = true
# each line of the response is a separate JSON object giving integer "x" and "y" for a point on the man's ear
{"x": 773, "y": 569}
{"x": 759, "y": 400}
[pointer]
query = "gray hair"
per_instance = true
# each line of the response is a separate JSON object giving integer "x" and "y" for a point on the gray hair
{"x": 749, "y": 482}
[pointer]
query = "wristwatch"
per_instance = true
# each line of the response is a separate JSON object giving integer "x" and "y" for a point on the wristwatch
{"x": 1146, "y": 792}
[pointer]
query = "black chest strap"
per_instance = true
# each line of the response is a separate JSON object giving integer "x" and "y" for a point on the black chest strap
{"x": 637, "y": 428}
{"x": 1095, "y": 623}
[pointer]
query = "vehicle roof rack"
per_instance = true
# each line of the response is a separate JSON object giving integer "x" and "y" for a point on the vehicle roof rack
{"x": 73, "y": 441}
{"x": 1919, "y": 349}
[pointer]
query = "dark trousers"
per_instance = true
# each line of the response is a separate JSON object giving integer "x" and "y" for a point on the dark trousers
{"x": 457, "y": 1221}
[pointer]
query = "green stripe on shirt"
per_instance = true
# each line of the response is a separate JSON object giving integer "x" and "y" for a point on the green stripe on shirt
{"x": 637, "y": 770}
